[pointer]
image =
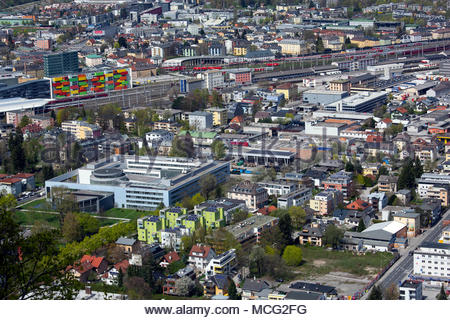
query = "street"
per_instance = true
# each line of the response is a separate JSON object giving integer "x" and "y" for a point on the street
{"x": 404, "y": 266}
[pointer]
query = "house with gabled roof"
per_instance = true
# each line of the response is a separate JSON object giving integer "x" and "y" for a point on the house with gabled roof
{"x": 169, "y": 258}
{"x": 200, "y": 256}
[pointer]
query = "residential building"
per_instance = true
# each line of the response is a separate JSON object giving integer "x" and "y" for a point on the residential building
{"x": 255, "y": 289}
{"x": 213, "y": 79}
{"x": 241, "y": 76}
{"x": 410, "y": 219}
{"x": 200, "y": 256}
{"x": 201, "y": 120}
{"x": 217, "y": 285}
{"x": 410, "y": 290}
{"x": 170, "y": 126}
{"x": 278, "y": 188}
{"x": 220, "y": 116}
{"x": 81, "y": 130}
{"x": 221, "y": 264}
{"x": 387, "y": 183}
{"x": 445, "y": 235}
{"x": 341, "y": 181}
{"x": 254, "y": 195}
{"x": 287, "y": 89}
{"x": 293, "y": 47}
{"x": 156, "y": 138}
{"x": 312, "y": 234}
{"x": 326, "y": 201}
{"x": 432, "y": 261}
{"x": 228, "y": 206}
{"x": 295, "y": 198}
{"x": 378, "y": 200}
{"x": 128, "y": 245}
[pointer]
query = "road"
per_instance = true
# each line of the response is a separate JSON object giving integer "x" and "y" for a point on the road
{"x": 404, "y": 266}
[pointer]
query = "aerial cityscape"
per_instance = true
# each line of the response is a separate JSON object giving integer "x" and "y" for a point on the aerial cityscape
{"x": 224, "y": 150}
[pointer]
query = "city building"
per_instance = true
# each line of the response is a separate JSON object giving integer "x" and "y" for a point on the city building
{"x": 220, "y": 116}
{"x": 278, "y": 188}
{"x": 411, "y": 219}
{"x": 221, "y": 264}
{"x": 141, "y": 183}
{"x": 360, "y": 102}
{"x": 73, "y": 83}
{"x": 295, "y": 198}
{"x": 326, "y": 201}
{"x": 81, "y": 130}
{"x": 410, "y": 290}
{"x": 61, "y": 63}
{"x": 254, "y": 195}
{"x": 200, "y": 257}
{"x": 250, "y": 230}
{"x": 201, "y": 120}
{"x": 341, "y": 181}
{"x": 387, "y": 183}
{"x": 445, "y": 235}
{"x": 432, "y": 261}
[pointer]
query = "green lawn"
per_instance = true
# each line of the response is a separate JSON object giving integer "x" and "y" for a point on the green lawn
{"x": 126, "y": 213}
{"x": 29, "y": 218}
{"x": 39, "y": 204}
{"x": 319, "y": 261}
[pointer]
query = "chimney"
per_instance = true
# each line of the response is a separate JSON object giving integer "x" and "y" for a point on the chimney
{"x": 87, "y": 290}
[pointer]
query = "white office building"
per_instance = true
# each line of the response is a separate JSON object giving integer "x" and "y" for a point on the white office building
{"x": 432, "y": 261}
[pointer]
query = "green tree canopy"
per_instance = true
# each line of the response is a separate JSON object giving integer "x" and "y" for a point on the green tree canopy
{"x": 292, "y": 255}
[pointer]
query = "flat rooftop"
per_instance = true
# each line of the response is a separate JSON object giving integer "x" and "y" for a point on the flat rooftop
{"x": 246, "y": 227}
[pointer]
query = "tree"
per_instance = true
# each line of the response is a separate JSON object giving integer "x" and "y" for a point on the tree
{"x": 120, "y": 278}
{"x": 292, "y": 255}
{"x": 256, "y": 261}
{"x": 122, "y": 42}
{"x": 285, "y": 225}
{"x": 15, "y": 145}
{"x": 30, "y": 268}
{"x": 207, "y": 184}
{"x": 406, "y": 179}
{"x": 391, "y": 292}
{"x": 418, "y": 168}
{"x": 441, "y": 295}
{"x": 232, "y": 291}
{"x": 298, "y": 216}
{"x": 238, "y": 216}
{"x": 375, "y": 294}
{"x": 319, "y": 45}
{"x": 71, "y": 228}
{"x": 182, "y": 146}
{"x": 184, "y": 286}
{"x": 332, "y": 236}
{"x": 137, "y": 288}
{"x": 361, "y": 225}
{"x": 349, "y": 167}
{"x": 218, "y": 149}
{"x": 383, "y": 171}
{"x": 24, "y": 121}
{"x": 197, "y": 199}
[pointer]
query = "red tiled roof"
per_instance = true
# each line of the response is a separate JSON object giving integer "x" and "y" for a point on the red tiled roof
{"x": 402, "y": 110}
{"x": 387, "y": 120}
{"x": 122, "y": 265}
{"x": 172, "y": 257}
{"x": 203, "y": 250}
{"x": 358, "y": 204}
{"x": 24, "y": 175}
{"x": 10, "y": 180}
{"x": 95, "y": 261}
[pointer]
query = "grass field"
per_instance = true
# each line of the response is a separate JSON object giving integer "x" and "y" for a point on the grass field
{"x": 28, "y": 218}
{"x": 126, "y": 213}
{"x": 39, "y": 204}
{"x": 320, "y": 261}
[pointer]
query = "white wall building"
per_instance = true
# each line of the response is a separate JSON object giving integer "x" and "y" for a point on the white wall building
{"x": 432, "y": 260}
